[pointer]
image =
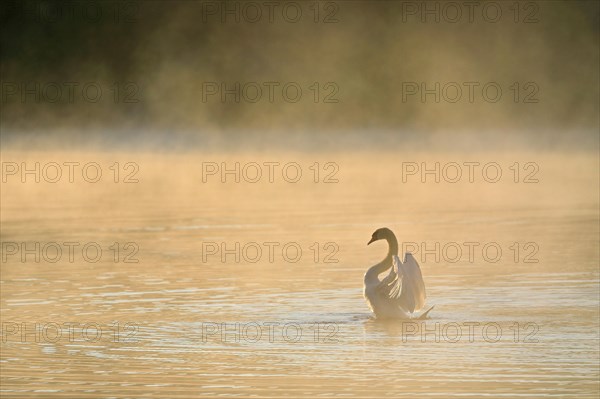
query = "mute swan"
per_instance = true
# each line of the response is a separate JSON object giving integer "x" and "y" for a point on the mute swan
{"x": 402, "y": 291}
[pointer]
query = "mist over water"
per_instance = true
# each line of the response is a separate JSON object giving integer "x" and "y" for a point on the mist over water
{"x": 208, "y": 287}
{"x": 200, "y": 71}
{"x": 188, "y": 188}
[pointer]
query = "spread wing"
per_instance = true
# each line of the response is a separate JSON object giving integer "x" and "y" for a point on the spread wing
{"x": 404, "y": 284}
{"x": 412, "y": 295}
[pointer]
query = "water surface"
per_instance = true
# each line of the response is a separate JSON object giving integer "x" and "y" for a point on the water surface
{"x": 178, "y": 320}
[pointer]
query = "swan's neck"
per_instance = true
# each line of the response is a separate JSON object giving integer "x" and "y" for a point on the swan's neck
{"x": 392, "y": 246}
{"x": 387, "y": 262}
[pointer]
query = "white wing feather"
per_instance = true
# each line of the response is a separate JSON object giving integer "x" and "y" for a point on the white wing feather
{"x": 404, "y": 284}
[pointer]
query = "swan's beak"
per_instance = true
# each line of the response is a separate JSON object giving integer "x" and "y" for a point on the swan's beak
{"x": 372, "y": 239}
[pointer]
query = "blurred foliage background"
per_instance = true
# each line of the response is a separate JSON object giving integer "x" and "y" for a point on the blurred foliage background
{"x": 153, "y": 59}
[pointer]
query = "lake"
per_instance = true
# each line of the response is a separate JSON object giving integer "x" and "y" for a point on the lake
{"x": 239, "y": 274}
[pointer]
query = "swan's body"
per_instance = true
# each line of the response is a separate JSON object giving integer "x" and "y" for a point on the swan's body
{"x": 402, "y": 291}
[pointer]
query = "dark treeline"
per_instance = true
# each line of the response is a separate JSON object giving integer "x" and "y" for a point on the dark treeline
{"x": 211, "y": 66}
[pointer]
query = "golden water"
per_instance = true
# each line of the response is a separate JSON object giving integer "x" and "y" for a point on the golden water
{"x": 161, "y": 318}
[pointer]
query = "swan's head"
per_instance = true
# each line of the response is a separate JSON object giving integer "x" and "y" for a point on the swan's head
{"x": 381, "y": 234}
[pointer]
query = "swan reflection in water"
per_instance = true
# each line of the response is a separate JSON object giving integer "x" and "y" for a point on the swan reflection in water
{"x": 402, "y": 292}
